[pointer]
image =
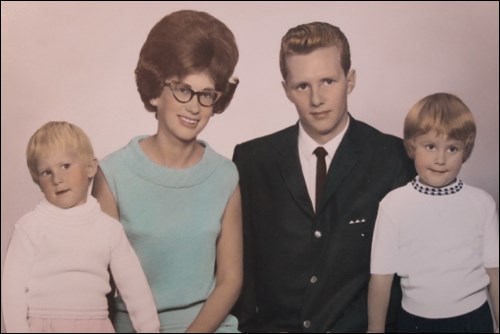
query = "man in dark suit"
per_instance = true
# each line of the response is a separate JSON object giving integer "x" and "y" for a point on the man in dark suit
{"x": 307, "y": 237}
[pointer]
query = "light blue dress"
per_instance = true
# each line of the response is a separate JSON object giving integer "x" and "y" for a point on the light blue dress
{"x": 172, "y": 218}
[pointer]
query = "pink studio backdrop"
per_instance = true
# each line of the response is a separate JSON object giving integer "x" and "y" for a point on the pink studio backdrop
{"x": 75, "y": 62}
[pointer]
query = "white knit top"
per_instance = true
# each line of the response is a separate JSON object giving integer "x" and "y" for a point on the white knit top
{"x": 439, "y": 241}
{"x": 56, "y": 267}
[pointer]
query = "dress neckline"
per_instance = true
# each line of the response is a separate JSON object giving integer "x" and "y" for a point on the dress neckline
{"x": 169, "y": 177}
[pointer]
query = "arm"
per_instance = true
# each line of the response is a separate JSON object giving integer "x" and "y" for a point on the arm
{"x": 229, "y": 272}
{"x": 490, "y": 257}
{"x": 133, "y": 286}
{"x": 379, "y": 290}
{"x": 245, "y": 307}
{"x": 18, "y": 264}
{"x": 384, "y": 295}
{"x": 405, "y": 169}
{"x": 493, "y": 292}
{"x": 103, "y": 194}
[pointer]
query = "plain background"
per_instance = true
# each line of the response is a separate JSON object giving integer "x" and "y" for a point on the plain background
{"x": 76, "y": 61}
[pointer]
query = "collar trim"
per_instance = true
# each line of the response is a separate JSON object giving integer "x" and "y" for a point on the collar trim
{"x": 428, "y": 190}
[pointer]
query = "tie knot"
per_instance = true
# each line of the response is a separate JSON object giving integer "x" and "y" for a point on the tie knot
{"x": 320, "y": 152}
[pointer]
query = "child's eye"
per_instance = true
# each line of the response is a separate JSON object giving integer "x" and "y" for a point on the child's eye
{"x": 65, "y": 166}
{"x": 430, "y": 147}
{"x": 45, "y": 173}
{"x": 453, "y": 149}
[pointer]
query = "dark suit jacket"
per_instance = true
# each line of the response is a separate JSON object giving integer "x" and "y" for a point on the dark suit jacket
{"x": 305, "y": 271}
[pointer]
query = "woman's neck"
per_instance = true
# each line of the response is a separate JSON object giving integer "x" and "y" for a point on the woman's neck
{"x": 172, "y": 153}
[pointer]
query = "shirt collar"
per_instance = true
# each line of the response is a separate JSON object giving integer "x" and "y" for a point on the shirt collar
{"x": 428, "y": 190}
{"x": 307, "y": 145}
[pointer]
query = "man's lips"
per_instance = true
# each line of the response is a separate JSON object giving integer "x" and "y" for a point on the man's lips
{"x": 320, "y": 114}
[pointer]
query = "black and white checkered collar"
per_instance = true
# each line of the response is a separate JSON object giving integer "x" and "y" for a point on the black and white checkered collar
{"x": 428, "y": 190}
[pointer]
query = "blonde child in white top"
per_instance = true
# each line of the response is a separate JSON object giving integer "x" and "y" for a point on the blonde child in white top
{"x": 56, "y": 270}
{"x": 438, "y": 234}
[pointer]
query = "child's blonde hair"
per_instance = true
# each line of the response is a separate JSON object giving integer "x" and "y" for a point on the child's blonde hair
{"x": 57, "y": 136}
{"x": 444, "y": 113}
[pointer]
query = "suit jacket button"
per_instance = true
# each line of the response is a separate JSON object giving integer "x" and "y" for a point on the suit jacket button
{"x": 307, "y": 324}
{"x": 314, "y": 279}
{"x": 317, "y": 234}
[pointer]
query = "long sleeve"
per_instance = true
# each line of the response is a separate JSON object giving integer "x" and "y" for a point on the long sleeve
{"x": 133, "y": 286}
{"x": 18, "y": 262}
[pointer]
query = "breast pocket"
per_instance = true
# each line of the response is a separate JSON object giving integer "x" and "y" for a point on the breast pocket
{"x": 355, "y": 237}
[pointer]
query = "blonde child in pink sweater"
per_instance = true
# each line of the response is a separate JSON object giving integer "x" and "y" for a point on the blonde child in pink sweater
{"x": 56, "y": 270}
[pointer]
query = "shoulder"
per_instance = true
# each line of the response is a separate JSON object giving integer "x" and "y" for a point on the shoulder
{"x": 108, "y": 222}
{"x": 30, "y": 225}
{"x": 114, "y": 165}
{"x": 399, "y": 197}
{"x": 479, "y": 197}
{"x": 29, "y": 221}
{"x": 273, "y": 138}
{"x": 223, "y": 164}
{"x": 117, "y": 156}
{"x": 109, "y": 229}
{"x": 380, "y": 149}
{"x": 373, "y": 137}
{"x": 264, "y": 143}
{"x": 219, "y": 158}
{"x": 475, "y": 191}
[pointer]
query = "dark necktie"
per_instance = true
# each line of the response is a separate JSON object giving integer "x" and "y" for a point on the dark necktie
{"x": 320, "y": 153}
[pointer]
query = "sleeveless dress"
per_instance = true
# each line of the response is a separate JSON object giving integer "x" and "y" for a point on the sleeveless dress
{"x": 172, "y": 218}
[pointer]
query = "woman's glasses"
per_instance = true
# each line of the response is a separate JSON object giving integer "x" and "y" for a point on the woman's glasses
{"x": 183, "y": 93}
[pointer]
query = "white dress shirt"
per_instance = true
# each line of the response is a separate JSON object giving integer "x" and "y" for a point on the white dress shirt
{"x": 308, "y": 159}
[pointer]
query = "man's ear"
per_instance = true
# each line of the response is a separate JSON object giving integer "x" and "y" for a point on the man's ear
{"x": 287, "y": 90}
{"x": 351, "y": 81}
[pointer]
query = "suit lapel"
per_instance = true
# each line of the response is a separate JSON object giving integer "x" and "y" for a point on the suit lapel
{"x": 291, "y": 170}
{"x": 346, "y": 157}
